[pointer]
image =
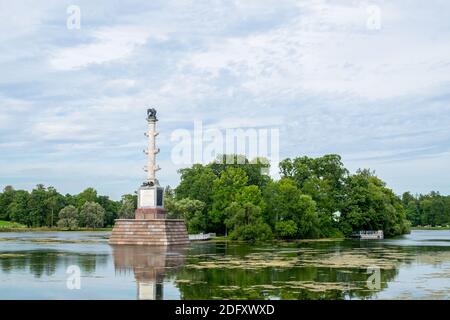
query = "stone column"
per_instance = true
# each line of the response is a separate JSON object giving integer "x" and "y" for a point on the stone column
{"x": 150, "y": 226}
{"x": 152, "y": 150}
{"x": 151, "y": 194}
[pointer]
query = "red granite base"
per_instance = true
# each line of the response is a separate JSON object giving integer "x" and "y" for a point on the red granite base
{"x": 151, "y": 232}
{"x": 150, "y": 213}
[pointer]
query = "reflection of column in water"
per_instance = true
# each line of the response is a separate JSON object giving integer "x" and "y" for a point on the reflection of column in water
{"x": 150, "y": 291}
{"x": 149, "y": 265}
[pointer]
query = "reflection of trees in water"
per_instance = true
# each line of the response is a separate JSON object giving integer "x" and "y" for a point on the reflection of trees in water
{"x": 89, "y": 262}
{"x": 150, "y": 265}
{"x": 286, "y": 282}
{"x": 270, "y": 282}
{"x": 47, "y": 263}
{"x": 40, "y": 264}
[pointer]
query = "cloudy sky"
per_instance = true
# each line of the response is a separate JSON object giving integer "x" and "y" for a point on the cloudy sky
{"x": 365, "y": 79}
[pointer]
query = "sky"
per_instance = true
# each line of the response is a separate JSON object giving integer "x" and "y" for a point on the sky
{"x": 368, "y": 80}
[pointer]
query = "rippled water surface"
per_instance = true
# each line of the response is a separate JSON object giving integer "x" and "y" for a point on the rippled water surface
{"x": 34, "y": 265}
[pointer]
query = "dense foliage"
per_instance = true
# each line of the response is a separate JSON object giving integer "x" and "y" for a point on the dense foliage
{"x": 430, "y": 209}
{"x": 46, "y": 207}
{"x": 314, "y": 198}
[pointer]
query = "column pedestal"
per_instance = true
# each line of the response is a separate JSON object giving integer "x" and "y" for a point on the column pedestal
{"x": 150, "y": 213}
{"x": 150, "y": 232}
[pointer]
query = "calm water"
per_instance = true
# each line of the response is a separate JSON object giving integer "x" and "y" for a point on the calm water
{"x": 34, "y": 265}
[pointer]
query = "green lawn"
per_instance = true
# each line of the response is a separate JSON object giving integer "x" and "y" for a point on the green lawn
{"x": 431, "y": 228}
{"x": 9, "y": 224}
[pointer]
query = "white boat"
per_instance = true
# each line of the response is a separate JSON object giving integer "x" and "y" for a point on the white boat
{"x": 368, "y": 235}
{"x": 201, "y": 236}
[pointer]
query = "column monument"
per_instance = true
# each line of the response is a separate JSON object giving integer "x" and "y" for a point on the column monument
{"x": 150, "y": 194}
{"x": 150, "y": 226}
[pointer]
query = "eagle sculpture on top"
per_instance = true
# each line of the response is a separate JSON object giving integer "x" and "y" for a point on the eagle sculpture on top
{"x": 151, "y": 113}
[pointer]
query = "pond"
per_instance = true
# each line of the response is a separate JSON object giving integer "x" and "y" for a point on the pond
{"x": 46, "y": 265}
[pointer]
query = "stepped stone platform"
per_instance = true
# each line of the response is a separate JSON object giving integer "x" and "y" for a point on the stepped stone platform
{"x": 150, "y": 213}
{"x": 152, "y": 232}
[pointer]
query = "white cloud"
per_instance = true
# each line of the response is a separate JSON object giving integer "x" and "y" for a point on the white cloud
{"x": 330, "y": 52}
{"x": 234, "y": 122}
{"x": 378, "y": 97}
{"x": 110, "y": 44}
{"x": 20, "y": 18}
{"x": 60, "y": 129}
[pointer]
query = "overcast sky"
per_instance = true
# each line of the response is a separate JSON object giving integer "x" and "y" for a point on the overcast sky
{"x": 333, "y": 76}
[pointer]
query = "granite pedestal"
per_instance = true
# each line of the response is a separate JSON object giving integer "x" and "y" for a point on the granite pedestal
{"x": 152, "y": 232}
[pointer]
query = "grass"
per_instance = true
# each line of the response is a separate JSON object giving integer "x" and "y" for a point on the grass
{"x": 8, "y": 226}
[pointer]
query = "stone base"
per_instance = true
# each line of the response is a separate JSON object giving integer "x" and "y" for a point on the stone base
{"x": 150, "y": 213}
{"x": 151, "y": 232}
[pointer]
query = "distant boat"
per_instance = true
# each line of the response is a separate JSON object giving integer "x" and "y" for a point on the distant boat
{"x": 201, "y": 236}
{"x": 368, "y": 235}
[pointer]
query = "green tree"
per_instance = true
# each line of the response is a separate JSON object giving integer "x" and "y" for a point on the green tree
{"x": 127, "y": 209}
{"x": 308, "y": 219}
{"x": 190, "y": 210}
{"x": 225, "y": 190}
{"x": 281, "y": 199}
{"x": 92, "y": 215}
{"x": 413, "y": 213}
{"x": 54, "y": 203}
{"x": 132, "y": 198}
{"x": 427, "y": 216}
{"x": 37, "y": 206}
{"x": 286, "y": 203}
{"x": 369, "y": 205}
{"x": 6, "y": 198}
{"x": 70, "y": 200}
{"x": 286, "y": 229}
{"x": 245, "y": 222}
{"x": 18, "y": 208}
{"x": 322, "y": 178}
{"x": 407, "y": 197}
{"x": 111, "y": 209}
{"x": 411, "y": 205}
{"x": 87, "y": 195}
{"x": 257, "y": 170}
{"x": 196, "y": 183}
{"x": 68, "y": 217}
{"x": 251, "y": 194}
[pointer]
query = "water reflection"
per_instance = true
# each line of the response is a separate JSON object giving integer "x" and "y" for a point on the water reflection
{"x": 48, "y": 262}
{"x": 34, "y": 266}
{"x": 149, "y": 265}
{"x": 332, "y": 270}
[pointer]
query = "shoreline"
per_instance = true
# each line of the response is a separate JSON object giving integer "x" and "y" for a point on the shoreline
{"x": 47, "y": 229}
{"x": 430, "y": 228}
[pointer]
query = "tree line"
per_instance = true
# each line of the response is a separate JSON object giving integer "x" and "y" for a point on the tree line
{"x": 314, "y": 198}
{"x": 431, "y": 209}
{"x": 46, "y": 207}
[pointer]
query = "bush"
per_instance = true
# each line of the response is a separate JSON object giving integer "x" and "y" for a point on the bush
{"x": 252, "y": 232}
{"x": 92, "y": 215}
{"x": 286, "y": 229}
{"x": 68, "y": 218}
{"x": 246, "y": 223}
